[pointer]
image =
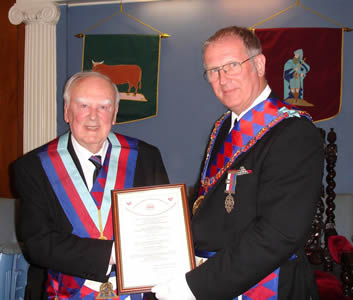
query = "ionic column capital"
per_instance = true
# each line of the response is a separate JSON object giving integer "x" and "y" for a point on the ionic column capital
{"x": 40, "y": 12}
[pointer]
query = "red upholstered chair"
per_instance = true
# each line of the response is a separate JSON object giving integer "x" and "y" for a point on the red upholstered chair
{"x": 330, "y": 253}
{"x": 330, "y": 287}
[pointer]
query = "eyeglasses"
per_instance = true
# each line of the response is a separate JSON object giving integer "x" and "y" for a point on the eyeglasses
{"x": 231, "y": 69}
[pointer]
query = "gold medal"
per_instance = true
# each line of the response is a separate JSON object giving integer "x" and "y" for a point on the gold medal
{"x": 106, "y": 291}
{"x": 229, "y": 203}
{"x": 197, "y": 204}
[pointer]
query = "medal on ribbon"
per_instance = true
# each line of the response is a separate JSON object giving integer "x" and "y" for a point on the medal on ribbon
{"x": 231, "y": 183}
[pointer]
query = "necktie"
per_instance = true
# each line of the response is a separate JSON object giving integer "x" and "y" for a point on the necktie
{"x": 97, "y": 161}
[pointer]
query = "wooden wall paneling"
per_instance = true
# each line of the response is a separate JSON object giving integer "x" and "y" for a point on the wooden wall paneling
{"x": 11, "y": 95}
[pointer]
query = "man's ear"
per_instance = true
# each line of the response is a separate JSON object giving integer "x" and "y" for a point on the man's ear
{"x": 260, "y": 64}
{"x": 115, "y": 114}
{"x": 66, "y": 117}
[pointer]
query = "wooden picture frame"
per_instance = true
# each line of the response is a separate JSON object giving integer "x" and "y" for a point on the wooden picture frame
{"x": 152, "y": 236}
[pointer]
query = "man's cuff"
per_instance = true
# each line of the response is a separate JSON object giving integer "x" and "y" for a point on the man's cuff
{"x": 112, "y": 260}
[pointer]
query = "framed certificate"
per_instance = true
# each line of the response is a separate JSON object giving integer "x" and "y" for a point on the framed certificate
{"x": 152, "y": 236}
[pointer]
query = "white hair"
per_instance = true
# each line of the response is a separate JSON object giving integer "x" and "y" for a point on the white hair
{"x": 74, "y": 79}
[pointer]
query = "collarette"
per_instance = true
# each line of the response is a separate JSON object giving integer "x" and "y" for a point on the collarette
{"x": 262, "y": 97}
{"x": 240, "y": 143}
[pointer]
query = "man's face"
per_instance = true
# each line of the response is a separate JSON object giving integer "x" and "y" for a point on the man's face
{"x": 236, "y": 92}
{"x": 91, "y": 112}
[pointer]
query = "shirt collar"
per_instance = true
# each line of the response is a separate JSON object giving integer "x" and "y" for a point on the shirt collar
{"x": 83, "y": 154}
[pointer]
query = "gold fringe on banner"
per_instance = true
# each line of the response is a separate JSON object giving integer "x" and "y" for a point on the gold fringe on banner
{"x": 347, "y": 29}
{"x": 81, "y": 35}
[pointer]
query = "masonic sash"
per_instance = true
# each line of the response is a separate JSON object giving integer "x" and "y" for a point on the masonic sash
{"x": 88, "y": 212}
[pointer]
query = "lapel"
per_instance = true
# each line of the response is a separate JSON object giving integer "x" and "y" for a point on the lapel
{"x": 223, "y": 132}
{"x": 72, "y": 152}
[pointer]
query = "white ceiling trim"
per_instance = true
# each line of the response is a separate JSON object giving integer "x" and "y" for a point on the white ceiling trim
{"x": 97, "y": 2}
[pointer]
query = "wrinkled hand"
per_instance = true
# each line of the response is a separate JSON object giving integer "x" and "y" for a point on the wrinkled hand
{"x": 174, "y": 289}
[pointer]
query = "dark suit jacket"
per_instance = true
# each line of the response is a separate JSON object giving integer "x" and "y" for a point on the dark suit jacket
{"x": 271, "y": 219}
{"x": 46, "y": 231}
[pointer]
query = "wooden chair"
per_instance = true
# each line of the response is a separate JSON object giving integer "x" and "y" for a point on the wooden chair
{"x": 330, "y": 253}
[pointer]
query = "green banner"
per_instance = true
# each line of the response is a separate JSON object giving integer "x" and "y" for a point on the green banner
{"x": 131, "y": 61}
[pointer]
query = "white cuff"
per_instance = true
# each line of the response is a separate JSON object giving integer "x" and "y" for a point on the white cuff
{"x": 112, "y": 260}
{"x": 113, "y": 256}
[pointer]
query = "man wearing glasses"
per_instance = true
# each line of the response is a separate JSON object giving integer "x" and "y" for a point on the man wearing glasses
{"x": 259, "y": 183}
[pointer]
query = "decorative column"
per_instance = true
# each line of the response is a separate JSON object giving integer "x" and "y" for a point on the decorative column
{"x": 39, "y": 70}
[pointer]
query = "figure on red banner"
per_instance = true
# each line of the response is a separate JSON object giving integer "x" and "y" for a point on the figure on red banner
{"x": 258, "y": 187}
{"x": 65, "y": 190}
{"x": 295, "y": 70}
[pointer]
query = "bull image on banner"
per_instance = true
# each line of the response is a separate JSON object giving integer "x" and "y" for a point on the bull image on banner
{"x": 304, "y": 66}
{"x": 132, "y": 63}
{"x": 123, "y": 74}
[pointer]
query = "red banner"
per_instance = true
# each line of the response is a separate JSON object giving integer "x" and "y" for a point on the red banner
{"x": 304, "y": 67}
